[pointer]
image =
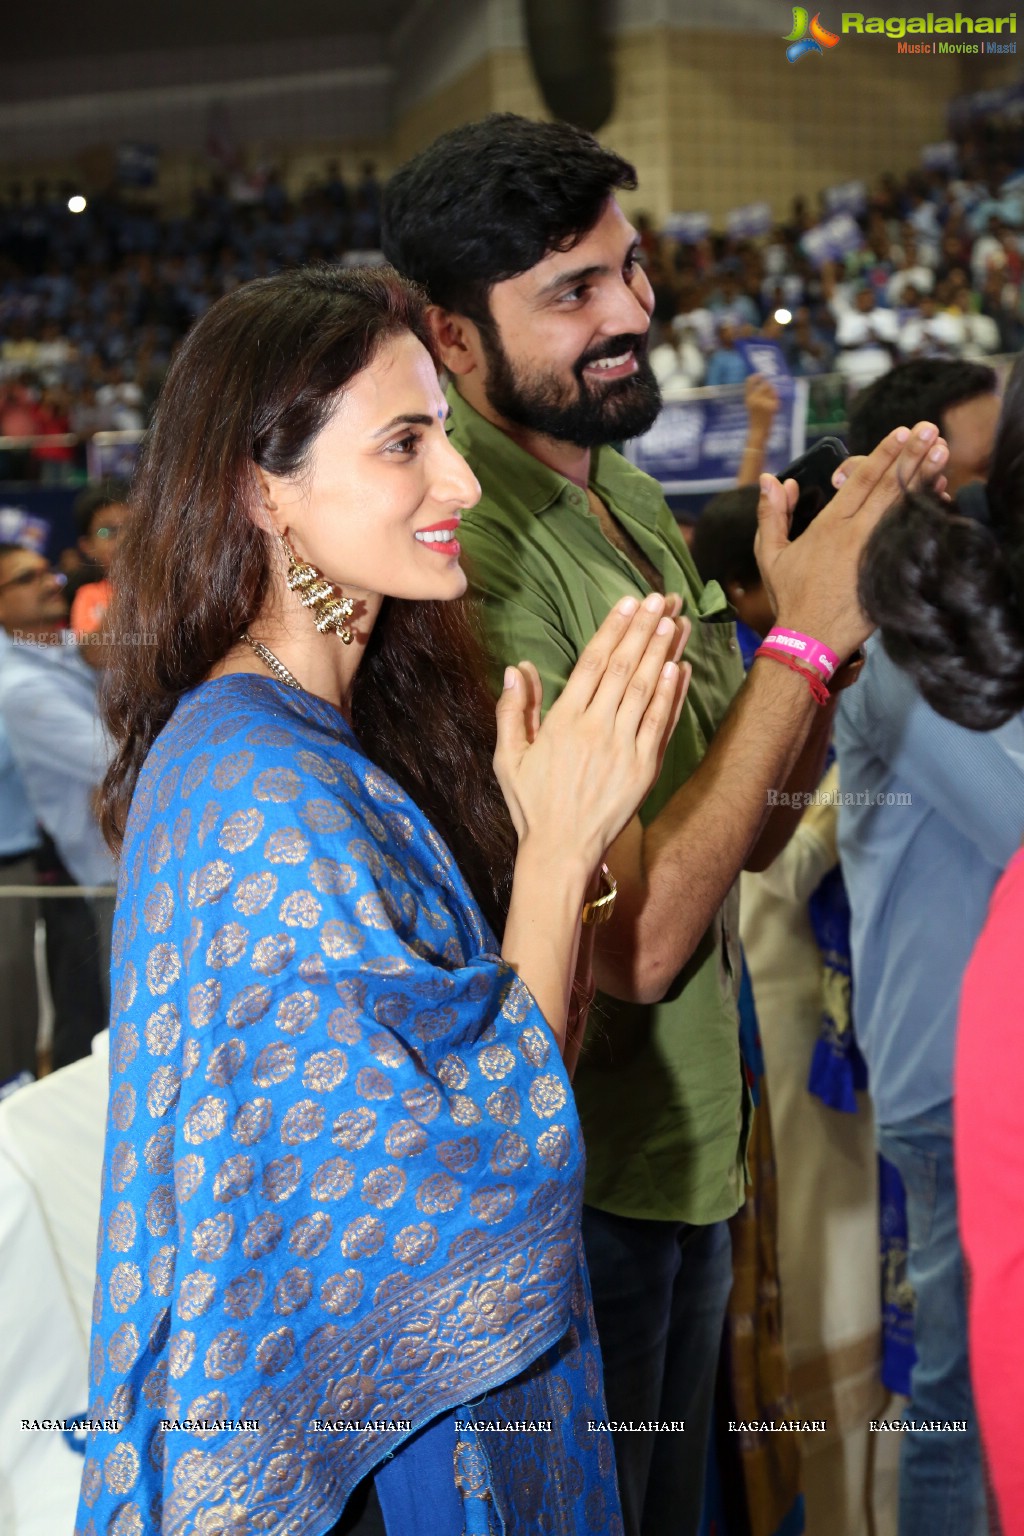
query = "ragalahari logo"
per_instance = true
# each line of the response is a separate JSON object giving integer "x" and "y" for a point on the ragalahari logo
{"x": 798, "y": 40}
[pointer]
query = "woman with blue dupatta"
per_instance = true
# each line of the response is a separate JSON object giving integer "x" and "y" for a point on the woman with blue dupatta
{"x": 340, "y": 1228}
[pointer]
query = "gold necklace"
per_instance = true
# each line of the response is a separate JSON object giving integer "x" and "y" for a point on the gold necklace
{"x": 269, "y": 660}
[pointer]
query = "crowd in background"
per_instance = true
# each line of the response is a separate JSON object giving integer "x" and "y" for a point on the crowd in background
{"x": 93, "y": 304}
{"x": 92, "y": 307}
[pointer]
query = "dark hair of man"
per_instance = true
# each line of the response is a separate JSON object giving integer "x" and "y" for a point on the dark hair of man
{"x": 723, "y": 542}
{"x": 947, "y": 591}
{"x": 923, "y": 390}
{"x": 95, "y": 499}
{"x": 490, "y": 200}
{"x": 275, "y": 355}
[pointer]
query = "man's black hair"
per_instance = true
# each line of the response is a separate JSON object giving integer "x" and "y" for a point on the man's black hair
{"x": 947, "y": 591}
{"x": 923, "y": 390}
{"x": 102, "y": 493}
{"x": 492, "y": 199}
{"x": 723, "y": 542}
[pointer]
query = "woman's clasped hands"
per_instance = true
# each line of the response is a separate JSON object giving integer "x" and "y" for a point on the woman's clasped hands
{"x": 575, "y": 780}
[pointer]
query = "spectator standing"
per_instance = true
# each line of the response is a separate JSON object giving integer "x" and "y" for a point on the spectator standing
{"x": 53, "y": 354}
{"x": 122, "y": 399}
{"x": 726, "y": 365}
{"x": 365, "y": 231}
{"x": 806, "y": 348}
{"x": 995, "y": 251}
{"x": 729, "y": 302}
{"x": 19, "y": 841}
{"x": 55, "y": 459}
{"x": 960, "y": 396}
{"x": 49, "y": 711}
{"x": 338, "y": 194}
{"x": 920, "y": 859}
{"x": 947, "y": 591}
{"x": 100, "y": 512}
{"x": 678, "y": 364}
{"x": 692, "y": 313}
{"x": 911, "y": 271}
{"x": 867, "y": 338}
{"x": 1001, "y": 302}
{"x": 980, "y": 332}
{"x": 931, "y": 332}
{"x": 827, "y": 1182}
{"x": 19, "y": 417}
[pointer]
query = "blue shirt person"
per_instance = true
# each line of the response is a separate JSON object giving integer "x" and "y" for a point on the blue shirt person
{"x": 18, "y": 830}
{"x": 19, "y": 837}
{"x": 50, "y": 711}
{"x": 726, "y": 365}
{"x": 53, "y": 756}
{"x": 920, "y": 871}
{"x": 937, "y": 813}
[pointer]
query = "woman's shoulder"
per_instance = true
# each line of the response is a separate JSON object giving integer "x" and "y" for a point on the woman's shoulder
{"x": 250, "y": 782}
{"x": 238, "y": 702}
{"x": 242, "y": 737}
{"x": 257, "y": 801}
{"x": 243, "y": 756}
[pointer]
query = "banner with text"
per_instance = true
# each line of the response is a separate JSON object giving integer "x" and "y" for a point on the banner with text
{"x": 696, "y": 444}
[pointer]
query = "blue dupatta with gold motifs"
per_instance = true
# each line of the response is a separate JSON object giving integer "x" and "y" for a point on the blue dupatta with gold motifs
{"x": 343, "y": 1171}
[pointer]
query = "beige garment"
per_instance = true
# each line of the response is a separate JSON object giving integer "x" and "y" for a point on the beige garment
{"x": 827, "y": 1190}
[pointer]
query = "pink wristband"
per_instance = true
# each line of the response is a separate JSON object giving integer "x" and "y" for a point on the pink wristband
{"x": 789, "y": 642}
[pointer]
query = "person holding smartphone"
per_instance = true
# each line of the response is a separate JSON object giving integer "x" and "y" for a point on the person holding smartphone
{"x": 541, "y": 310}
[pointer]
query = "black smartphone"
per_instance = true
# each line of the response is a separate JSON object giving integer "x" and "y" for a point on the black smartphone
{"x": 813, "y": 473}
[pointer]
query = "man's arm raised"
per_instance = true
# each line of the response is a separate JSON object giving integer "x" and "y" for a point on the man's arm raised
{"x": 675, "y": 873}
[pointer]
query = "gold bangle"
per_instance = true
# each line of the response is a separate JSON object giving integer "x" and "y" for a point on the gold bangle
{"x": 601, "y": 908}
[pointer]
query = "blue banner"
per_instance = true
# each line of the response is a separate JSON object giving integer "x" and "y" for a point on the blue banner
{"x": 687, "y": 228}
{"x": 848, "y": 197}
{"x": 751, "y": 220}
{"x": 764, "y": 357}
{"x": 19, "y": 527}
{"x": 113, "y": 455}
{"x": 940, "y": 157}
{"x": 696, "y": 444}
{"x": 832, "y": 240}
{"x": 965, "y": 110}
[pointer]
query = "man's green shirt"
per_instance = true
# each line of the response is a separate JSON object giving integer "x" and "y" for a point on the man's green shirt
{"x": 659, "y": 1089}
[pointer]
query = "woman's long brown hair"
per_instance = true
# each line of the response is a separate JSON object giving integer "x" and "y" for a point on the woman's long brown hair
{"x": 253, "y": 384}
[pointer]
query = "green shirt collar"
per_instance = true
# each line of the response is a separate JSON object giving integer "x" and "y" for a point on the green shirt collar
{"x": 499, "y": 462}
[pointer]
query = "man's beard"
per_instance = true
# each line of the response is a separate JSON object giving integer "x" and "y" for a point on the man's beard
{"x": 587, "y": 416}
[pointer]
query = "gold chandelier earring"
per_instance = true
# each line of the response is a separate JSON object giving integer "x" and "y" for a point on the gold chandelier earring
{"x": 330, "y": 610}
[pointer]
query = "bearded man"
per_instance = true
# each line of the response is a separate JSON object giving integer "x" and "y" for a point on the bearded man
{"x": 541, "y": 311}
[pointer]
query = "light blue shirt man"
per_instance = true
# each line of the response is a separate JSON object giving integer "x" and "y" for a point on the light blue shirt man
{"x": 49, "y": 710}
{"x": 919, "y": 873}
{"x": 18, "y": 830}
